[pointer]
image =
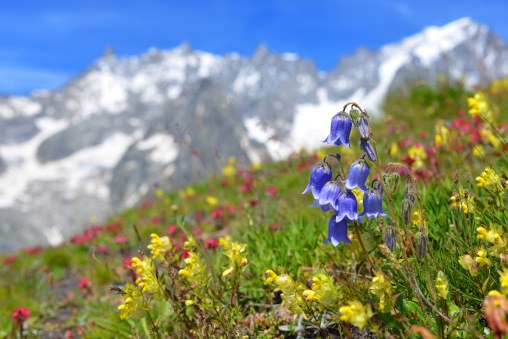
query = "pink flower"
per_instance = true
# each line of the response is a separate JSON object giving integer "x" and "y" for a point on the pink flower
{"x": 231, "y": 209}
{"x": 271, "y": 190}
{"x": 127, "y": 263}
{"x": 172, "y": 229}
{"x": 211, "y": 244}
{"x": 32, "y": 250}
{"x": 84, "y": 283}
{"x": 156, "y": 220}
{"x": 103, "y": 248}
{"x": 121, "y": 240}
{"x": 275, "y": 228}
{"x": 218, "y": 213}
{"x": 20, "y": 314}
{"x": 197, "y": 230}
{"x": 10, "y": 259}
{"x": 185, "y": 254}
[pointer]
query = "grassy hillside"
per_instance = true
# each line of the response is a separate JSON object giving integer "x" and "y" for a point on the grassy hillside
{"x": 241, "y": 254}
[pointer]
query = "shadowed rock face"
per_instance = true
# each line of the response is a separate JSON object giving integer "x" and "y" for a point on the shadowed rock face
{"x": 100, "y": 143}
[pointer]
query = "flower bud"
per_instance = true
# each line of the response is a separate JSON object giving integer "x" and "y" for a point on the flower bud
{"x": 389, "y": 237}
{"x": 368, "y": 149}
{"x": 421, "y": 242}
{"x": 407, "y": 211}
{"x": 363, "y": 126}
{"x": 354, "y": 115}
{"x": 391, "y": 181}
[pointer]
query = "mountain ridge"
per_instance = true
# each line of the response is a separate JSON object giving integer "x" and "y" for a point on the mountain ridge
{"x": 99, "y": 143}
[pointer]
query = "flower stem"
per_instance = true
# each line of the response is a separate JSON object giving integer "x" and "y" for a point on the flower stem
{"x": 363, "y": 247}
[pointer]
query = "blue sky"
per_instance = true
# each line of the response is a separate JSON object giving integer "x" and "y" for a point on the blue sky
{"x": 45, "y": 43}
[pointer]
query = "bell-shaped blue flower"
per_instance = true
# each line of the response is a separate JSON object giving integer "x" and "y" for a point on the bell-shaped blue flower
{"x": 372, "y": 204}
{"x": 358, "y": 173}
{"x": 347, "y": 207}
{"x": 367, "y": 148}
{"x": 340, "y": 130}
{"x": 321, "y": 173}
{"x": 363, "y": 127}
{"x": 337, "y": 232}
{"x": 328, "y": 196}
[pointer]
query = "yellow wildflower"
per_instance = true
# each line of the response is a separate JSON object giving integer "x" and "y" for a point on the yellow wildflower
{"x": 442, "y": 133}
{"x": 418, "y": 154}
{"x": 481, "y": 233}
{"x": 159, "y": 246}
{"x": 478, "y": 105}
{"x": 194, "y": 270}
{"x": 442, "y": 285}
{"x": 482, "y": 260}
{"x": 489, "y": 179}
{"x": 225, "y": 242}
{"x": 466, "y": 205}
{"x": 325, "y": 290}
{"x": 394, "y": 150}
{"x": 236, "y": 257}
{"x": 212, "y": 201}
{"x": 133, "y": 306}
{"x": 271, "y": 276}
{"x": 494, "y": 292}
{"x": 141, "y": 265}
{"x": 356, "y": 313}
{"x": 228, "y": 272}
{"x": 310, "y": 295}
{"x": 190, "y": 244}
{"x": 503, "y": 280}
{"x": 467, "y": 262}
{"x": 159, "y": 192}
{"x": 382, "y": 288}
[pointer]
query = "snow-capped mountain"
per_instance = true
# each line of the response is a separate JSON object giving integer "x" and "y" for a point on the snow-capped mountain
{"x": 99, "y": 143}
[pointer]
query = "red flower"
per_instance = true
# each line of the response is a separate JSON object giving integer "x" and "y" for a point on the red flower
{"x": 224, "y": 182}
{"x": 172, "y": 229}
{"x": 185, "y": 254}
{"x": 275, "y": 228}
{"x": 231, "y": 209}
{"x": 32, "y": 250}
{"x": 271, "y": 190}
{"x": 218, "y": 213}
{"x": 10, "y": 259}
{"x": 197, "y": 230}
{"x": 84, "y": 283}
{"x": 121, "y": 240}
{"x": 211, "y": 244}
{"x": 156, "y": 220}
{"x": 253, "y": 202}
{"x": 103, "y": 248}
{"x": 20, "y": 314}
{"x": 127, "y": 263}
{"x": 248, "y": 184}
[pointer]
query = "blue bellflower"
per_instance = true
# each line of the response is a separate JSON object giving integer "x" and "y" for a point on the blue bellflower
{"x": 340, "y": 130}
{"x": 367, "y": 148}
{"x": 358, "y": 173}
{"x": 372, "y": 204}
{"x": 337, "y": 232}
{"x": 363, "y": 127}
{"x": 347, "y": 208}
{"x": 321, "y": 173}
{"x": 328, "y": 196}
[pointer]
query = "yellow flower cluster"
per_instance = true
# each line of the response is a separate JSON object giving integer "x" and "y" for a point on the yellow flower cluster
{"x": 495, "y": 237}
{"x": 418, "y": 154}
{"x": 212, "y": 201}
{"x": 323, "y": 290}
{"x": 467, "y": 262}
{"x": 467, "y": 205}
{"x": 442, "y": 133}
{"x": 230, "y": 169}
{"x": 442, "y": 285}
{"x": 490, "y": 180}
{"x": 292, "y": 292}
{"x": 499, "y": 86}
{"x": 356, "y": 313}
{"x": 382, "y": 288}
{"x": 133, "y": 306}
{"x": 237, "y": 260}
{"x": 478, "y": 105}
{"x": 194, "y": 270}
{"x": 159, "y": 246}
{"x": 148, "y": 281}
